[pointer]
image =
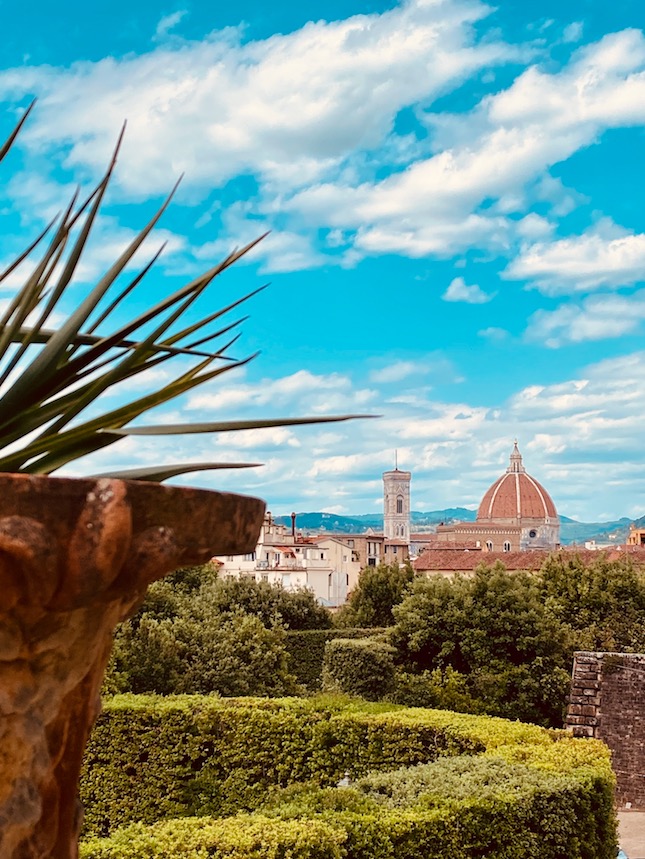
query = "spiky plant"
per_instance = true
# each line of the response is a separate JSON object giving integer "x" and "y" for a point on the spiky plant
{"x": 50, "y": 379}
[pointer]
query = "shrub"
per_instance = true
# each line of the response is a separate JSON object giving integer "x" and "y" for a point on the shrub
{"x": 293, "y": 609}
{"x": 306, "y": 649}
{"x": 531, "y": 795}
{"x": 601, "y": 605}
{"x": 363, "y": 667}
{"x": 445, "y": 689}
{"x": 201, "y": 651}
{"x": 243, "y": 837}
{"x": 150, "y": 758}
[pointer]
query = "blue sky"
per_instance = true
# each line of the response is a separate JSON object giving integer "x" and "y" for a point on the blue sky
{"x": 454, "y": 193}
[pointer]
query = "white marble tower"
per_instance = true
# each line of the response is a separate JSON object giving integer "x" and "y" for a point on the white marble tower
{"x": 396, "y": 505}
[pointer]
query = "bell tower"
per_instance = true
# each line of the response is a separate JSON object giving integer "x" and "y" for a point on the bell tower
{"x": 396, "y": 505}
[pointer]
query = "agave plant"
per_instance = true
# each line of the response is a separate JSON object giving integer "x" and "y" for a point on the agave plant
{"x": 51, "y": 378}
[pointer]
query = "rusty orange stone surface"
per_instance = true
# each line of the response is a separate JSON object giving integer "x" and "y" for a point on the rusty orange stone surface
{"x": 76, "y": 557}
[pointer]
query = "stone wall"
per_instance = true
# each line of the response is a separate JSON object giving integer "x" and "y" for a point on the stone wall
{"x": 607, "y": 701}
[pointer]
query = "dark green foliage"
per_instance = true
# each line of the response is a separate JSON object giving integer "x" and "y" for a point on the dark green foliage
{"x": 503, "y": 642}
{"x": 532, "y": 795}
{"x": 196, "y": 633}
{"x": 494, "y": 630}
{"x": 359, "y": 666}
{"x": 152, "y": 757}
{"x": 306, "y": 649}
{"x": 200, "y": 650}
{"x": 445, "y": 688}
{"x": 271, "y": 603}
{"x": 602, "y": 606}
{"x": 378, "y": 590}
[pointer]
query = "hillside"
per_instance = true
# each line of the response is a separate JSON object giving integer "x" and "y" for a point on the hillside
{"x": 571, "y": 531}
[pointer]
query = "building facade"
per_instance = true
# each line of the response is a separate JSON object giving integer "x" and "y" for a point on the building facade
{"x": 323, "y": 565}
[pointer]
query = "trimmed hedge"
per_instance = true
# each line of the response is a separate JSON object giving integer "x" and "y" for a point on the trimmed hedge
{"x": 153, "y": 757}
{"x": 363, "y": 667}
{"x": 243, "y": 837}
{"x": 306, "y": 650}
{"x": 529, "y": 794}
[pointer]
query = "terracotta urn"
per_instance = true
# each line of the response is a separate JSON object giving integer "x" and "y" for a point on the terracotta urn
{"x": 76, "y": 557}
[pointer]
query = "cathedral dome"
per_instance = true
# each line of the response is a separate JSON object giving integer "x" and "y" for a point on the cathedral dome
{"x": 516, "y": 496}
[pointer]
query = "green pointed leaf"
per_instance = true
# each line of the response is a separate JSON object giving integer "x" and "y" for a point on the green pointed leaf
{"x": 159, "y": 473}
{"x": 229, "y": 426}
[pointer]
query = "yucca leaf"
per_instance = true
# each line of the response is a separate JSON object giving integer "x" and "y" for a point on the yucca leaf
{"x": 6, "y": 146}
{"x": 34, "y": 335}
{"x": 229, "y": 426}
{"x": 159, "y": 473}
{"x": 63, "y": 445}
{"x": 74, "y": 365}
{"x": 28, "y": 250}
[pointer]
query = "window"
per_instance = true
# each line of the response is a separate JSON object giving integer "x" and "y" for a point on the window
{"x": 322, "y": 556}
{"x": 371, "y": 562}
{"x": 250, "y": 556}
{"x": 489, "y": 545}
{"x": 394, "y": 549}
{"x": 532, "y": 534}
{"x": 399, "y": 504}
{"x": 350, "y": 543}
{"x": 507, "y": 546}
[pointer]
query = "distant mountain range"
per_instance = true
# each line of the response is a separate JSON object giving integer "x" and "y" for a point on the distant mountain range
{"x": 571, "y": 531}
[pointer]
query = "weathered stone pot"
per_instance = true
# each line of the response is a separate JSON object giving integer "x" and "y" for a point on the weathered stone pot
{"x": 76, "y": 557}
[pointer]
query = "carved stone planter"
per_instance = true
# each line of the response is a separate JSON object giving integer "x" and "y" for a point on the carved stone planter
{"x": 76, "y": 557}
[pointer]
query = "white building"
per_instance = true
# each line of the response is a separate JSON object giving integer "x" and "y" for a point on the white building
{"x": 323, "y": 565}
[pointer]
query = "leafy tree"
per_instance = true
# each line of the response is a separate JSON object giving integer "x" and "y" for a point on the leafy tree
{"x": 494, "y": 630}
{"x": 601, "y": 605}
{"x": 200, "y": 650}
{"x": 198, "y": 633}
{"x": 379, "y": 589}
{"x": 271, "y": 603}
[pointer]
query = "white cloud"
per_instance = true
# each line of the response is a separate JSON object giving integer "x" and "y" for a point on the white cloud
{"x": 168, "y": 23}
{"x": 493, "y": 333}
{"x": 260, "y": 439}
{"x": 508, "y": 143}
{"x": 604, "y": 256}
{"x": 287, "y": 108}
{"x": 596, "y": 318}
{"x": 584, "y": 429}
{"x": 397, "y": 371}
{"x": 299, "y": 393}
{"x": 573, "y": 31}
{"x": 459, "y": 290}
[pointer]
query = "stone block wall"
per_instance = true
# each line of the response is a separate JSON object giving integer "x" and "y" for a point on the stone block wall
{"x": 607, "y": 701}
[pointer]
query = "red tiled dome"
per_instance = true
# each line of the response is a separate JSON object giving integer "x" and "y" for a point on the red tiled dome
{"x": 516, "y": 495}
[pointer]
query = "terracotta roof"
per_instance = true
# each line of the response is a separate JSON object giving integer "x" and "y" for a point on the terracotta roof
{"x": 516, "y": 495}
{"x": 461, "y": 546}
